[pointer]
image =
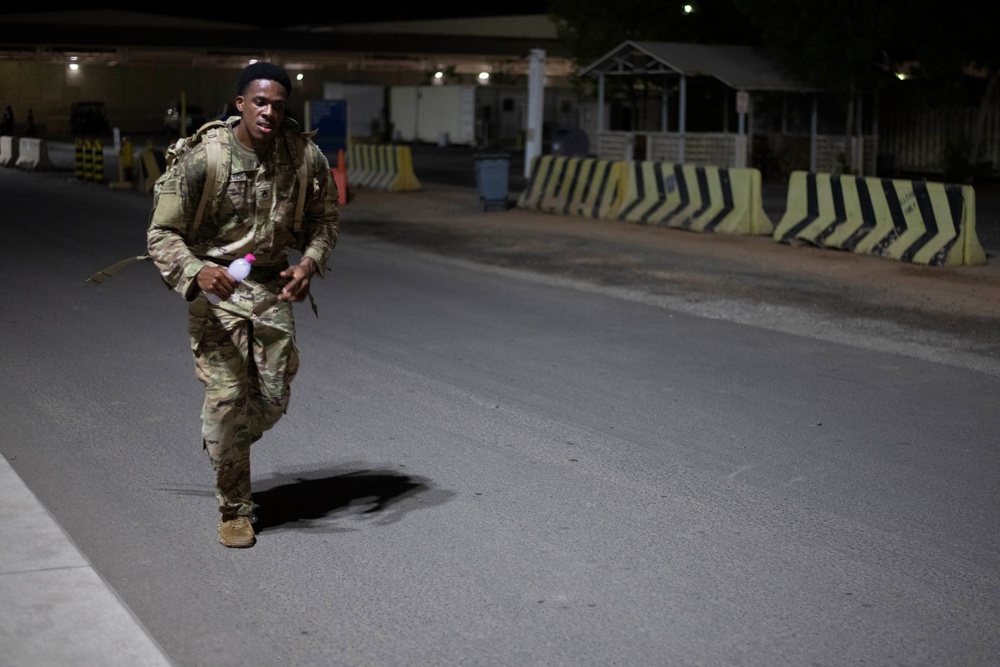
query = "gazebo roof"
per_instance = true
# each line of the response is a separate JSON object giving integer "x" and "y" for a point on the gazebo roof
{"x": 739, "y": 67}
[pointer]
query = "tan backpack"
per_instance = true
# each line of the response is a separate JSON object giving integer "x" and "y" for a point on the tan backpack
{"x": 219, "y": 157}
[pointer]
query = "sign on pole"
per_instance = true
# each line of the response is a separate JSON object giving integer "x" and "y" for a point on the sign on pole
{"x": 742, "y": 102}
{"x": 329, "y": 119}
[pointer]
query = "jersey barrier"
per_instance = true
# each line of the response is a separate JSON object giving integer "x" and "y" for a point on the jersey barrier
{"x": 8, "y": 150}
{"x": 382, "y": 167}
{"x": 585, "y": 187}
{"x": 907, "y": 220}
{"x": 33, "y": 154}
{"x": 697, "y": 198}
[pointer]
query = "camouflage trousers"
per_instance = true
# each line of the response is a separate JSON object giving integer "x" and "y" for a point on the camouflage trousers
{"x": 245, "y": 355}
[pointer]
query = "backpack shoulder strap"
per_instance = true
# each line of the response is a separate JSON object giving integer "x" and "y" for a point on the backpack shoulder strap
{"x": 298, "y": 149}
{"x": 218, "y": 157}
{"x": 109, "y": 271}
{"x": 297, "y": 143}
{"x": 300, "y": 205}
{"x": 218, "y": 154}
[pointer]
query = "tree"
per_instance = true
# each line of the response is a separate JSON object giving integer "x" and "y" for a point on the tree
{"x": 841, "y": 47}
{"x": 959, "y": 63}
{"x": 591, "y": 28}
{"x": 846, "y": 47}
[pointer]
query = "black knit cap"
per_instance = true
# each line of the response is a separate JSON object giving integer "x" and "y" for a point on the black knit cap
{"x": 262, "y": 70}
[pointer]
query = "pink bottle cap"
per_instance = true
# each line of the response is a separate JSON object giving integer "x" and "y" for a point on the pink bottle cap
{"x": 250, "y": 258}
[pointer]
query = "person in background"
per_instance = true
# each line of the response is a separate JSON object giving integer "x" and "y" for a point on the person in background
{"x": 7, "y": 127}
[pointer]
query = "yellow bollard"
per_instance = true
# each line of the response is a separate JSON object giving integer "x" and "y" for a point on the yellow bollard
{"x": 150, "y": 167}
{"x": 125, "y": 160}
{"x": 98, "y": 159}
{"x": 88, "y": 159}
{"x": 124, "y": 181}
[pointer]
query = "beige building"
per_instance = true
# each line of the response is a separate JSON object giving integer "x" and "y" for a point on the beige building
{"x": 139, "y": 65}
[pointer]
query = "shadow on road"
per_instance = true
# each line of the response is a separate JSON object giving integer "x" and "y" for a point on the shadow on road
{"x": 300, "y": 499}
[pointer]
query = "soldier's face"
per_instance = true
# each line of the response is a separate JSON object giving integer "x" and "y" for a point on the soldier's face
{"x": 263, "y": 110}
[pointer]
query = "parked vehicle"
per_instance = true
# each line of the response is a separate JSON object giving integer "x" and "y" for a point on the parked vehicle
{"x": 89, "y": 118}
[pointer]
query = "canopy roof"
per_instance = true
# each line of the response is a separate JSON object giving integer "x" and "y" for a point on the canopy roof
{"x": 739, "y": 67}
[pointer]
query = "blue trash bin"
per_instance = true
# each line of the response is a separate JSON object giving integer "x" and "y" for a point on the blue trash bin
{"x": 493, "y": 180}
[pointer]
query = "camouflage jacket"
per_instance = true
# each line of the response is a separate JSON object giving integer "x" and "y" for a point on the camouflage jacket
{"x": 255, "y": 214}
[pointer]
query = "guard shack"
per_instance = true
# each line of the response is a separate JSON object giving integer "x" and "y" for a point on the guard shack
{"x": 723, "y": 105}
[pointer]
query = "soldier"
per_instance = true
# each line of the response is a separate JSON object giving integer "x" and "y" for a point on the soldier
{"x": 244, "y": 346}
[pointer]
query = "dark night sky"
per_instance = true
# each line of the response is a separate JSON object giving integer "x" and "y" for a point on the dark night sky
{"x": 319, "y": 13}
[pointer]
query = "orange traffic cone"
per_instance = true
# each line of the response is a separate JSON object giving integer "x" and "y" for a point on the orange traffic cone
{"x": 340, "y": 178}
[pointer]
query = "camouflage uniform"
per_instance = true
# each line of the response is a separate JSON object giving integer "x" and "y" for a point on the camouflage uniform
{"x": 244, "y": 349}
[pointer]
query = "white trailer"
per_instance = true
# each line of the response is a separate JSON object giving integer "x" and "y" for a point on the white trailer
{"x": 434, "y": 114}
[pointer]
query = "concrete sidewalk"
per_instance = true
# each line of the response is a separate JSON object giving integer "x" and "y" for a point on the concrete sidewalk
{"x": 55, "y": 609}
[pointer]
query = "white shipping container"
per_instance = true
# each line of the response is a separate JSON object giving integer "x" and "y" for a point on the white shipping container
{"x": 434, "y": 114}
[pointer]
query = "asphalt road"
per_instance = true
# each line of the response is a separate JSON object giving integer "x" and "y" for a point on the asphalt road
{"x": 491, "y": 459}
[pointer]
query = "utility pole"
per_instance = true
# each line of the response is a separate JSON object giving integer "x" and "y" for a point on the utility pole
{"x": 536, "y": 106}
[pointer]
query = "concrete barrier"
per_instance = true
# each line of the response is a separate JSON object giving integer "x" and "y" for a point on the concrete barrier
{"x": 382, "y": 167}
{"x": 910, "y": 221}
{"x": 385, "y": 168}
{"x": 697, "y": 198}
{"x": 8, "y": 151}
{"x": 598, "y": 190}
{"x": 538, "y": 182}
{"x": 585, "y": 187}
{"x": 33, "y": 154}
{"x": 359, "y": 164}
{"x": 406, "y": 178}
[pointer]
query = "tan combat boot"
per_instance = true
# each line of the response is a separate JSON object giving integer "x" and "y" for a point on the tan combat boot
{"x": 236, "y": 532}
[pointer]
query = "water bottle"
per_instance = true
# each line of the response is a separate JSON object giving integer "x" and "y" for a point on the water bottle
{"x": 239, "y": 269}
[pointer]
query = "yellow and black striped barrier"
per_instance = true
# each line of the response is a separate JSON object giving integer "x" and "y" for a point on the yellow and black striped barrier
{"x": 381, "y": 167}
{"x": 97, "y": 173}
{"x": 88, "y": 159}
{"x": 698, "y": 198}
{"x": 78, "y": 146}
{"x": 585, "y": 187}
{"x": 910, "y": 221}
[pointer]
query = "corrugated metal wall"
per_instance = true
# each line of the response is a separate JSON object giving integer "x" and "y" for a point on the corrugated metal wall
{"x": 918, "y": 137}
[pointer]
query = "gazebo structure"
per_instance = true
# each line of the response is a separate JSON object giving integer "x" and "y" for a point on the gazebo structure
{"x": 744, "y": 70}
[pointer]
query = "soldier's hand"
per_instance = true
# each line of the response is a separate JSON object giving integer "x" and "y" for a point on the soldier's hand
{"x": 216, "y": 280}
{"x": 298, "y": 275}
